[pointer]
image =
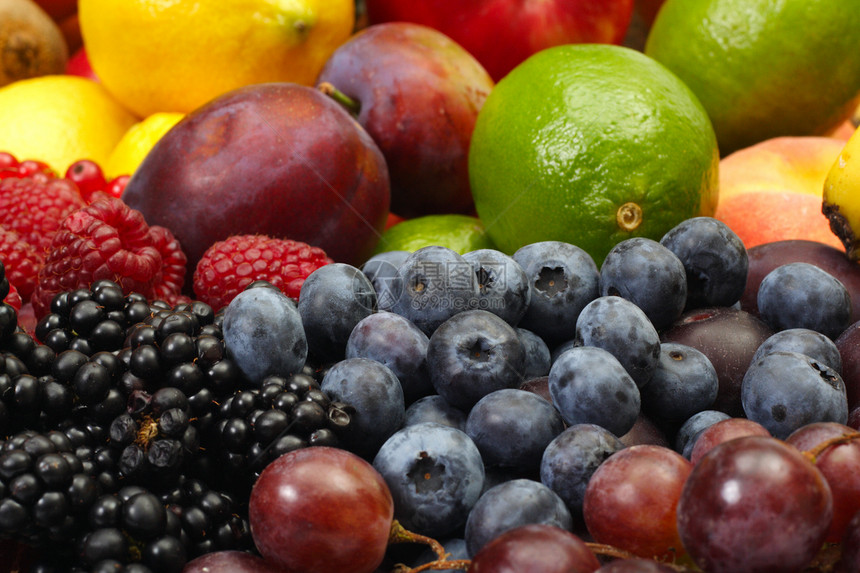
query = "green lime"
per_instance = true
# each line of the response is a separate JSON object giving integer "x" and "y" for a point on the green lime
{"x": 461, "y": 233}
{"x": 590, "y": 144}
{"x": 763, "y": 69}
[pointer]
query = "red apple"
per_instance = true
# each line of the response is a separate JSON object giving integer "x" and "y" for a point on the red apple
{"x": 278, "y": 159}
{"x": 503, "y": 33}
{"x": 79, "y": 65}
{"x": 417, "y": 93}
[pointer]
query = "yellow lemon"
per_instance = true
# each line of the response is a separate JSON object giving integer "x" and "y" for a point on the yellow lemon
{"x": 59, "y": 119}
{"x": 176, "y": 55}
{"x": 841, "y": 199}
{"x": 761, "y": 68}
{"x": 137, "y": 142}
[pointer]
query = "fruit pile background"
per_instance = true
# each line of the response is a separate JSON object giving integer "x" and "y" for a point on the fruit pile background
{"x": 384, "y": 287}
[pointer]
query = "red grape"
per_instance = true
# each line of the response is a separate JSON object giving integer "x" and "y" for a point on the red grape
{"x": 723, "y": 431}
{"x": 540, "y": 548}
{"x": 232, "y": 561}
{"x": 631, "y": 498}
{"x": 754, "y": 504}
{"x": 840, "y": 464}
{"x": 851, "y": 546}
{"x": 635, "y": 566}
{"x": 321, "y": 509}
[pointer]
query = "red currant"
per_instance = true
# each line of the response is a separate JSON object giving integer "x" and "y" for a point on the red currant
{"x": 30, "y": 167}
{"x": 8, "y": 161}
{"x": 116, "y": 185}
{"x": 87, "y": 175}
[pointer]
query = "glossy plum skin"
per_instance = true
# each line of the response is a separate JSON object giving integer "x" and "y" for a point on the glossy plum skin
{"x": 754, "y": 504}
{"x": 278, "y": 159}
{"x": 631, "y": 499}
{"x": 848, "y": 344}
{"x": 321, "y": 509}
{"x": 535, "y": 547}
{"x": 419, "y": 94}
{"x": 729, "y": 338}
{"x": 233, "y": 561}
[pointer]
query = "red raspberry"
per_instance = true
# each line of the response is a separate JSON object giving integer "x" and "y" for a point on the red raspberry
{"x": 34, "y": 206}
{"x": 228, "y": 266}
{"x": 13, "y": 299}
{"x": 21, "y": 261}
{"x": 109, "y": 240}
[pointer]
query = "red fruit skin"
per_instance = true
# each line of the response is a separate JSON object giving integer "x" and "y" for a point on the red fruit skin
{"x": 229, "y": 561}
{"x": 88, "y": 176}
{"x": 631, "y": 499}
{"x": 228, "y": 266}
{"x": 34, "y": 206}
{"x": 848, "y": 345}
{"x": 79, "y": 65}
{"x": 21, "y": 262}
{"x": 503, "y": 33}
{"x": 419, "y": 94}
{"x": 109, "y": 240}
{"x": 751, "y": 501}
{"x": 723, "y": 431}
{"x": 320, "y": 510}
{"x": 274, "y": 159}
{"x": 535, "y": 547}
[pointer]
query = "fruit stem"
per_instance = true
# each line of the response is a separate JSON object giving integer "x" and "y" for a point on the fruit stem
{"x": 400, "y": 534}
{"x": 846, "y": 438}
{"x": 352, "y": 106}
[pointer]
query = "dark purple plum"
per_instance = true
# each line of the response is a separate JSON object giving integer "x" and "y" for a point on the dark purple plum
{"x": 848, "y": 344}
{"x": 418, "y": 94}
{"x": 729, "y": 338}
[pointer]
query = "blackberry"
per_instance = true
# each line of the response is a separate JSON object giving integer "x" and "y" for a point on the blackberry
{"x": 45, "y": 490}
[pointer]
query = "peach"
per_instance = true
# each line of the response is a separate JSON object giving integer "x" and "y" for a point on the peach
{"x": 772, "y": 190}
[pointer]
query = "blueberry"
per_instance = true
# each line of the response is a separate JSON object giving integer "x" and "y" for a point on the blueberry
{"x": 559, "y": 350}
{"x": 572, "y": 457}
{"x": 472, "y": 354}
{"x": 332, "y": 300}
{"x": 563, "y": 278}
{"x": 436, "y": 283}
{"x": 375, "y": 393}
{"x": 692, "y": 428}
{"x": 396, "y": 342}
{"x": 803, "y": 340}
{"x": 381, "y": 269}
{"x": 620, "y": 327}
{"x": 511, "y": 504}
{"x": 512, "y": 427}
{"x": 684, "y": 383}
{"x": 503, "y": 287}
{"x": 263, "y": 334}
{"x": 589, "y": 386}
{"x": 715, "y": 261}
{"x": 801, "y": 295}
{"x": 435, "y": 474}
{"x": 783, "y": 391}
{"x": 538, "y": 358}
{"x": 647, "y": 274}
{"x": 435, "y": 408}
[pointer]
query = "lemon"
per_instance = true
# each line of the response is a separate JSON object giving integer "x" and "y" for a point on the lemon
{"x": 841, "y": 198}
{"x": 59, "y": 119}
{"x": 461, "y": 233}
{"x": 175, "y": 55}
{"x": 138, "y": 141}
{"x": 762, "y": 68}
{"x": 590, "y": 144}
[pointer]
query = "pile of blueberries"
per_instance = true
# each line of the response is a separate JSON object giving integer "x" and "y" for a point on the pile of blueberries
{"x": 487, "y": 388}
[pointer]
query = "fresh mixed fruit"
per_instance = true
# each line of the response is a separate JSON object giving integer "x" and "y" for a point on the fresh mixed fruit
{"x": 388, "y": 287}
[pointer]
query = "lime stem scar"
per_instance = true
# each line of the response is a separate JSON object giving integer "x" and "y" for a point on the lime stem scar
{"x": 629, "y": 216}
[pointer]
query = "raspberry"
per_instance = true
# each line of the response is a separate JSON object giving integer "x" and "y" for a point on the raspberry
{"x": 228, "y": 266}
{"x": 109, "y": 240}
{"x": 13, "y": 299}
{"x": 34, "y": 206}
{"x": 22, "y": 262}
